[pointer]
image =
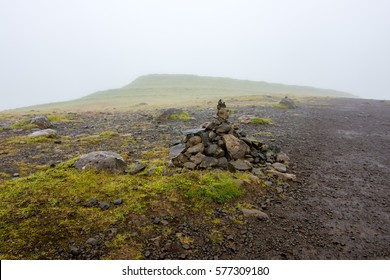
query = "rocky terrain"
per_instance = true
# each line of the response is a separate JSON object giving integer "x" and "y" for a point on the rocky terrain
{"x": 337, "y": 207}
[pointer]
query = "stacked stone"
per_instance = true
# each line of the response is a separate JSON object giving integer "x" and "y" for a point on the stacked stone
{"x": 219, "y": 144}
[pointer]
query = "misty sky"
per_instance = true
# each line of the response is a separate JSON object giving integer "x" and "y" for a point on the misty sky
{"x": 59, "y": 50}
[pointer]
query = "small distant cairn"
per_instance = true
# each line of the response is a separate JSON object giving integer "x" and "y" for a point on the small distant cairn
{"x": 219, "y": 144}
{"x": 288, "y": 103}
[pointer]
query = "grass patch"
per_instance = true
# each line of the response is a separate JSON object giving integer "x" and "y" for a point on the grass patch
{"x": 40, "y": 213}
{"x": 185, "y": 116}
{"x": 23, "y": 124}
{"x": 281, "y": 106}
{"x": 263, "y": 121}
{"x": 58, "y": 118}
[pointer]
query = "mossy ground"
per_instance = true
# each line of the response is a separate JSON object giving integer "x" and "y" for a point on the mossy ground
{"x": 42, "y": 212}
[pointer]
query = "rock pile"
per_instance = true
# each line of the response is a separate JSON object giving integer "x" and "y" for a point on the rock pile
{"x": 219, "y": 144}
{"x": 288, "y": 103}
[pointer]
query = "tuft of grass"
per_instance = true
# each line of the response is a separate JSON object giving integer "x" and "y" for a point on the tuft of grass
{"x": 23, "y": 124}
{"x": 281, "y": 106}
{"x": 258, "y": 120}
{"x": 109, "y": 134}
{"x": 185, "y": 116}
{"x": 58, "y": 118}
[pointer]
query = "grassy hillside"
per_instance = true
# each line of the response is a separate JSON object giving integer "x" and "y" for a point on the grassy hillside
{"x": 161, "y": 90}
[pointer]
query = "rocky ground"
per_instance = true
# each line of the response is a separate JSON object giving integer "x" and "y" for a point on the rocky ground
{"x": 338, "y": 209}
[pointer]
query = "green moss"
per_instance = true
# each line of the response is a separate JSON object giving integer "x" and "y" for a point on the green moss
{"x": 185, "y": 116}
{"x": 47, "y": 207}
{"x": 258, "y": 120}
{"x": 58, "y": 118}
{"x": 109, "y": 134}
{"x": 281, "y": 106}
{"x": 23, "y": 124}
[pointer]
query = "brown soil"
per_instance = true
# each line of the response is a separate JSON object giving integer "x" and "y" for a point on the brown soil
{"x": 338, "y": 209}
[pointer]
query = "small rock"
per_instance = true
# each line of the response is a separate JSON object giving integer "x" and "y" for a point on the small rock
{"x": 92, "y": 241}
{"x": 199, "y": 148}
{"x": 285, "y": 176}
{"x": 279, "y": 167}
{"x": 242, "y": 165}
{"x": 156, "y": 221}
{"x": 194, "y": 140}
{"x": 198, "y": 158}
{"x": 254, "y": 213}
{"x": 15, "y": 175}
{"x": 118, "y": 201}
{"x": 138, "y": 168}
{"x": 74, "y": 250}
{"x": 45, "y": 132}
{"x": 104, "y": 206}
{"x": 209, "y": 162}
{"x": 186, "y": 247}
{"x": 190, "y": 165}
{"x": 91, "y": 203}
{"x": 282, "y": 157}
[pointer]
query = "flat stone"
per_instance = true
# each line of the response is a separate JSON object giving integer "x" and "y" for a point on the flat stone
{"x": 241, "y": 165}
{"x": 189, "y": 165}
{"x": 196, "y": 149}
{"x": 235, "y": 147}
{"x": 198, "y": 158}
{"x": 194, "y": 131}
{"x": 279, "y": 167}
{"x": 209, "y": 162}
{"x": 249, "y": 213}
{"x": 92, "y": 241}
{"x": 45, "y": 132}
{"x": 285, "y": 176}
{"x": 138, "y": 168}
{"x": 176, "y": 150}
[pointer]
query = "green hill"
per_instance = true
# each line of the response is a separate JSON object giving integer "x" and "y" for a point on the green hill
{"x": 165, "y": 89}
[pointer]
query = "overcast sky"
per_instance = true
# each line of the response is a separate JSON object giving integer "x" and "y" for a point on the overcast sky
{"x": 59, "y": 50}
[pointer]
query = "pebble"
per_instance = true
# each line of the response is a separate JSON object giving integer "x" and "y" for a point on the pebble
{"x": 118, "y": 201}
{"x": 74, "y": 250}
{"x": 15, "y": 175}
{"x": 92, "y": 241}
{"x": 91, "y": 203}
{"x": 104, "y": 206}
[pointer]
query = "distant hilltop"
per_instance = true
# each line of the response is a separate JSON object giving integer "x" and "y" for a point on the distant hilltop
{"x": 169, "y": 89}
{"x": 204, "y": 82}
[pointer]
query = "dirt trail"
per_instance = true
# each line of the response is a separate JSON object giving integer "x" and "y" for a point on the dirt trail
{"x": 340, "y": 209}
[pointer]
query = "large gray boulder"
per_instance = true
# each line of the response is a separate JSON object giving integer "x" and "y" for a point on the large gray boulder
{"x": 103, "y": 161}
{"x": 42, "y": 122}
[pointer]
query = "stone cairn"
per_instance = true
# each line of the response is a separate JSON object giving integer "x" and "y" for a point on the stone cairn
{"x": 219, "y": 144}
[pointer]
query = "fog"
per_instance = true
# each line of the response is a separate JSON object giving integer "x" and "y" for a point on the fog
{"x": 59, "y": 50}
